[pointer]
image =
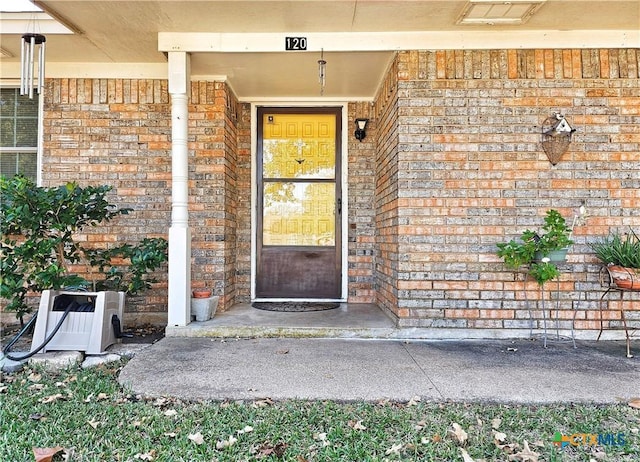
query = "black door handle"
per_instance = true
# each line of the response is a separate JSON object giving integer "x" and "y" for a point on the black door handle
{"x": 339, "y": 204}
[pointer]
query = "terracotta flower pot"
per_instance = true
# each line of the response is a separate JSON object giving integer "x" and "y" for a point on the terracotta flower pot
{"x": 625, "y": 278}
{"x": 202, "y": 293}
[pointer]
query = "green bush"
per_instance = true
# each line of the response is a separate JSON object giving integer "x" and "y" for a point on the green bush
{"x": 38, "y": 226}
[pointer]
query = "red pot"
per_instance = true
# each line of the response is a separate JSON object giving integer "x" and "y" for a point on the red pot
{"x": 625, "y": 278}
{"x": 202, "y": 293}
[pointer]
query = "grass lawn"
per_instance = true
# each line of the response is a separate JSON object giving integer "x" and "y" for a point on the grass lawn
{"x": 89, "y": 415}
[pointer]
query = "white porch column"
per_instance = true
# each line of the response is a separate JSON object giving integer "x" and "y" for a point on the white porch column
{"x": 179, "y": 232}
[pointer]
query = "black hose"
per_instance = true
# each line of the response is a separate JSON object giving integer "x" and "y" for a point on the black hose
{"x": 7, "y": 349}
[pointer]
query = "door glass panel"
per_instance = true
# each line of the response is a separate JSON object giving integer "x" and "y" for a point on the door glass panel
{"x": 296, "y": 214}
{"x": 299, "y": 147}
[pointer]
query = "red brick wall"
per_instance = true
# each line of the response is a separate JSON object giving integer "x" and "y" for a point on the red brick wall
{"x": 214, "y": 113}
{"x": 361, "y": 221}
{"x": 243, "y": 230}
{"x": 387, "y": 195}
{"x": 115, "y": 132}
{"x": 471, "y": 173}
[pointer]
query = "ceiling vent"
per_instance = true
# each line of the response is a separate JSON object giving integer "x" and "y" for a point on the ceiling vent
{"x": 495, "y": 12}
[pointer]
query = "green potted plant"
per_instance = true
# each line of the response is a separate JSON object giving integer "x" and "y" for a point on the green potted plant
{"x": 540, "y": 251}
{"x": 37, "y": 247}
{"x": 620, "y": 253}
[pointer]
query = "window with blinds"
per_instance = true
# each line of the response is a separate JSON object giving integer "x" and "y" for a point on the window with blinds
{"x": 18, "y": 134}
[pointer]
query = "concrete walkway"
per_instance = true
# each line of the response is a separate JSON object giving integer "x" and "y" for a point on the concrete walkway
{"x": 520, "y": 370}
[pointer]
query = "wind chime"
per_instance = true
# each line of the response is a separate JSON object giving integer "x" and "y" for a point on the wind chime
{"x": 32, "y": 45}
{"x": 322, "y": 71}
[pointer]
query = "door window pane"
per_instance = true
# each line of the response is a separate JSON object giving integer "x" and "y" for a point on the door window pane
{"x": 299, "y": 214}
{"x": 299, "y": 147}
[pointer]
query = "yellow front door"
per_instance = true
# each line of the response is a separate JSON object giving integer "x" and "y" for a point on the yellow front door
{"x": 299, "y": 203}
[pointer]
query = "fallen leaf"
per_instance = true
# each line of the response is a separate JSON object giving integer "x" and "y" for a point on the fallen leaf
{"x": 264, "y": 451}
{"x": 170, "y": 434}
{"x": 635, "y": 403}
{"x": 196, "y": 438}
{"x": 495, "y": 423}
{"x": 246, "y": 429}
{"x": 52, "y": 398}
{"x": 465, "y": 456}
{"x": 33, "y": 377}
{"x": 414, "y": 401}
{"x": 356, "y": 425}
{"x": 102, "y": 396}
{"x": 36, "y": 416}
{"x": 226, "y": 443}
{"x": 94, "y": 424}
{"x": 262, "y": 402}
{"x": 321, "y": 437}
{"x": 170, "y": 412}
{"x": 3, "y": 389}
{"x": 394, "y": 449}
{"x": 36, "y": 387}
{"x": 279, "y": 449}
{"x": 301, "y": 459}
{"x": 436, "y": 438}
{"x": 420, "y": 425}
{"x": 499, "y": 436}
{"x": 526, "y": 455}
{"x": 146, "y": 456}
{"x": 458, "y": 434}
{"x": 46, "y": 454}
{"x": 282, "y": 352}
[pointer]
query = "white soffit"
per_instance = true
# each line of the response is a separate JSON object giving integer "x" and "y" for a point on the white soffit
{"x": 496, "y": 12}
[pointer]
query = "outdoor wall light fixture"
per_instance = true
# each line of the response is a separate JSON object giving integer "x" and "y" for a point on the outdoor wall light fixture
{"x": 361, "y": 126}
{"x": 32, "y": 45}
{"x": 556, "y": 137}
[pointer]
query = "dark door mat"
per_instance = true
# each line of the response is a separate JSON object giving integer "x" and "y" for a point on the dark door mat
{"x": 295, "y": 307}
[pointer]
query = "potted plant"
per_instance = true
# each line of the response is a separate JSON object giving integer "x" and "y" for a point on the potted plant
{"x": 620, "y": 253}
{"x": 540, "y": 251}
{"x": 37, "y": 249}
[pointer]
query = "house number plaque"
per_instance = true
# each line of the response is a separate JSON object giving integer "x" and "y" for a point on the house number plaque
{"x": 295, "y": 43}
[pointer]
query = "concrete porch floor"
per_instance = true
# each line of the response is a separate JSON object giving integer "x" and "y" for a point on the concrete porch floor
{"x": 359, "y": 321}
{"x": 350, "y": 320}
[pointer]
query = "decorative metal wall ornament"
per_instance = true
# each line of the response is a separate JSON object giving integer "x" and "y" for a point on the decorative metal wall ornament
{"x": 322, "y": 71}
{"x": 556, "y": 137}
{"x": 32, "y": 45}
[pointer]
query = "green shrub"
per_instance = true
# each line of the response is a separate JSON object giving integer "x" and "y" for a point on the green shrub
{"x": 38, "y": 226}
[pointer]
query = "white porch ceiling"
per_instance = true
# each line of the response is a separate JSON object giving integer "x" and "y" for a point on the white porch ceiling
{"x": 359, "y": 37}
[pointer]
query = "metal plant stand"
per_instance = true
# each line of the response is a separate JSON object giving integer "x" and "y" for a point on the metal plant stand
{"x": 606, "y": 281}
{"x": 544, "y": 311}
